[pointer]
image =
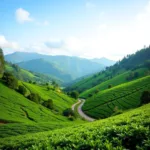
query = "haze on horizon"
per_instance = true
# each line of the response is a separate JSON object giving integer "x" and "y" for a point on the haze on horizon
{"x": 83, "y": 28}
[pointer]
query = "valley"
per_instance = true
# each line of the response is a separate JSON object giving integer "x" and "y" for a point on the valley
{"x": 102, "y": 110}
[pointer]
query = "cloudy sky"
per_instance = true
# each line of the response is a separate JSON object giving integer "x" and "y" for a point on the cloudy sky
{"x": 84, "y": 28}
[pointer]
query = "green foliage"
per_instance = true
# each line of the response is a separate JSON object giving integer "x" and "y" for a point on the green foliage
{"x": 145, "y": 97}
{"x": 110, "y": 86}
{"x": 1, "y": 62}
{"x": 119, "y": 79}
{"x": 22, "y": 90}
{"x": 124, "y": 97}
{"x": 68, "y": 112}
{"x": 25, "y": 75}
{"x": 34, "y": 97}
{"x": 48, "y": 104}
{"x": 74, "y": 94}
{"x": 18, "y": 115}
{"x": 132, "y": 75}
{"x": 10, "y": 80}
{"x": 126, "y": 131}
{"x": 60, "y": 100}
{"x": 116, "y": 74}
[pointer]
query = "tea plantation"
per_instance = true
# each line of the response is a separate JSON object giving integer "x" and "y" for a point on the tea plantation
{"x": 114, "y": 100}
{"x": 125, "y": 131}
{"x": 19, "y": 115}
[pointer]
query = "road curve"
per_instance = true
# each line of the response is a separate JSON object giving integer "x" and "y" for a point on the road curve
{"x": 80, "y": 112}
{"x": 73, "y": 106}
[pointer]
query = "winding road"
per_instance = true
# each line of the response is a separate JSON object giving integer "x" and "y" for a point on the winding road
{"x": 80, "y": 112}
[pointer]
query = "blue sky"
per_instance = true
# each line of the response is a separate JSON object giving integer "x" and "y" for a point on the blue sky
{"x": 84, "y": 28}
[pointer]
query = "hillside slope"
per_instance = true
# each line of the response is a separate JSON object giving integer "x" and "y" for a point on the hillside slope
{"x": 118, "y": 79}
{"x": 19, "y": 115}
{"x": 44, "y": 67}
{"x": 60, "y": 100}
{"x": 126, "y": 131}
{"x": 114, "y": 100}
{"x": 141, "y": 59}
{"x": 27, "y": 76}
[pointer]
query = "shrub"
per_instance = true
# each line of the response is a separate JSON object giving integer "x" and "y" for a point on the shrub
{"x": 10, "y": 80}
{"x": 68, "y": 112}
{"x": 74, "y": 94}
{"x": 48, "y": 103}
{"x": 145, "y": 97}
{"x": 34, "y": 97}
{"x": 22, "y": 90}
{"x": 1, "y": 61}
{"x": 110, "y": 86}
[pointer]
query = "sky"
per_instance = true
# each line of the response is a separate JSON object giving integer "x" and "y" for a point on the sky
{"x": 83, "y": 28}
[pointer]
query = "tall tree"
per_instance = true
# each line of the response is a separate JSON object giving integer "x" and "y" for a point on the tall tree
{"x": 1, "y": 62}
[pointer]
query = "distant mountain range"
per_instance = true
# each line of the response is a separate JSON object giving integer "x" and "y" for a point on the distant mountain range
{"x": 66, "y": 68}
{"x": 104, "y": 61}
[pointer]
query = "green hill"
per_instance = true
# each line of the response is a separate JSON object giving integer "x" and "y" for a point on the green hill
{"x": 114, "y": 100}
{"x": 19, "y": 115}
{"x": 65, "y": 68}
{"x": 141, "y": 59}
{"x": 60, "y": 100}
{"x": 126, "y": 131}
{"x": 119, "y": 79}
{"x": 27, "y": 76}
{"x": 45, "y": 67}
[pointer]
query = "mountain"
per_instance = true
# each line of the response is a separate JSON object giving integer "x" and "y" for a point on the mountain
{"x": 44, "y": 67}
{"x": 68, "y": 67}
{"x": 25, "y": 75}
{"x": 104, "y": 61}
{"x": 129, "y": 68}
{"x": 22, "y": 56}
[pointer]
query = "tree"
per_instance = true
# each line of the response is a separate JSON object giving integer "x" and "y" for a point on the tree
{"x": 55, "y": 85}
{"x": 74, "y": 94}
{"x": 1, "y": 62}
{"x": 48, "y": 103}
{"x": 145, "y": 97}
{"x": 22, "y": 90}
{"x": 10, "y": 80}
{"x": 34, "y": 97}
{"x": 110, "y": 86}
{"x": 68, "y": 112}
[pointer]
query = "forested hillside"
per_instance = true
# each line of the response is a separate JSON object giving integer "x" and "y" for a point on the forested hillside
{"x": 29, "y": 76}
{"x": 1, "y": 62}
{"x": 129, "y": 68}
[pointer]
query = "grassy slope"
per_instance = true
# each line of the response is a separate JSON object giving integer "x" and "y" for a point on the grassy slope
{"x": 60, "y": 100}
{"x": 19, "y": 115}
{"x": 122, "y": 97}
{"x": 26, "y": 75}
{"x": 132, "y": 62}
{"x": 126, "y": 131}
{"x": 119, "y": 79}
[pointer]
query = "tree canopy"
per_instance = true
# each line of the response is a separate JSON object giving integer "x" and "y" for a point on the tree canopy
{"x": 1, "y": 61}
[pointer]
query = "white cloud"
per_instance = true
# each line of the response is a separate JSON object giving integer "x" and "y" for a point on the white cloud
{"x": 7, "y": 44}
{"x": 23, "y": 15}
{"x": 110, "y": 39}
{"x": 90, "y": 5}
{"x": 46, "y": 23}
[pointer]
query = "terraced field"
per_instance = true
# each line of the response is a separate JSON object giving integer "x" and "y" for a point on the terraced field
{"x": 60, "y": 100}
{"x": 125, "y": 131}
{"x": 119, "y": 79}
{"x": 18, "y": 115}
{"x": 114, "y": 100}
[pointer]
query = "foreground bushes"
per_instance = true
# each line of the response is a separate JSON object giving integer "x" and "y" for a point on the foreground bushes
{"x": 126, "y": 131}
